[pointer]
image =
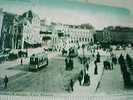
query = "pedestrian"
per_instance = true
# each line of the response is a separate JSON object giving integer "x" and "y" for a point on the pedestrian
{"x": 80, "y": 78}
{"x": 98, "y": 57}
{"x": 95, "y": 69}
{"x": 71, "y": 85}
{"x": 122, "y": 64}
{"x": 21, "y": 61}
{"x": 106, "y": 65}
{"x": 123, "y": 68}
{"x": 114, "y": 60}
{"x": 121, "y": 59}
{"x": 5, "y": 81}
{"x": 87, "y": 66}
{"x": 127, "y": 80}
{"x": 71, "y": 63}
{"x": 129, "y": 61}
{"x": 80, "y": 59}
{"x": 66, "y": 62}
{"x": 93, "y": 55}
{"x": 111, "y": 65}
{"x": 86, "y": 80}
{"x": 26, "y": 53}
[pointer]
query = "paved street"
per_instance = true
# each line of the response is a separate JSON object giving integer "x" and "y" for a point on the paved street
{"x": 94, "y": 79}
{"x": 112, "y": 81}
{"x": 53, "y": 78}
{"x": 9, "y": 64}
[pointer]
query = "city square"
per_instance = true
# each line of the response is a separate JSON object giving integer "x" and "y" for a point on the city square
{"x": 66, "y": 48}
{"x": 55, "y": 79}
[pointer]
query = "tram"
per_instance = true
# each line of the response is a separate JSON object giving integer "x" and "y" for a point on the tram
{"x": 38, "y": 60}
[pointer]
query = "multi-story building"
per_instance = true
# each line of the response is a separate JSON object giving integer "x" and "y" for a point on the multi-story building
{"x": 121, "y": 34}
{"x": 115, "y": 35}
{"x": 7, "y": 31}
{"x": 102, "y": 36}
{"x": 31, "y": 28}
{"x": 19, "y": 30}
{"x": 72, "y": 35}
{"x": 48, "y": 34}
{"x": 1, "y": 19}
{"x": 98, "y": 36}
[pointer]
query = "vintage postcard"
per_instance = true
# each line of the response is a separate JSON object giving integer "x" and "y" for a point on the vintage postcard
{"x": 66, "y": 49}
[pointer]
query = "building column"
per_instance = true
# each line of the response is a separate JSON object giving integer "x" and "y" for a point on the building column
{"x": 3, "y": 42}
{"x": 13, "y": 41}
{"x": 22, "y": 44}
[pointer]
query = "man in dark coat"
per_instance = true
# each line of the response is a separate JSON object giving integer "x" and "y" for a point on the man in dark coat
{"x": 98, "y": 57}
{"x": 121, "y": 59}
{"x": 127, "y": 80}
{"x": 80, "y": 78}
{"x": 95, "y": 70}
{"x": 87, "y": 66}
{"x": 129, "y": 61}
{"x": 86, "y": 80}
{"x": 71, "y": 63}
{"x": 122, "y": 64}
{"x": 26, "y": 53}
{"x": 71, "y": 85}
{"x": 66, "y": 62}
{"x": 114, "y": 60}
{"x": 21, "y": 61}
{"x": 5, "y": 81}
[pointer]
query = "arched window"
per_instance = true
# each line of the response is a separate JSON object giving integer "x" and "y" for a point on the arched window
{"x": 82, "y": 39}
{"x": 88, "y": 39}
{"x": 85, "y": 39}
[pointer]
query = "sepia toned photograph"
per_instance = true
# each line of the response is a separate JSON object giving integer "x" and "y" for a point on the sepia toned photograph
{"x": 66, "y": 49}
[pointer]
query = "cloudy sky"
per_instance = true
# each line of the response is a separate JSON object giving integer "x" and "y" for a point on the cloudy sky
{"x": 99, "y": 13}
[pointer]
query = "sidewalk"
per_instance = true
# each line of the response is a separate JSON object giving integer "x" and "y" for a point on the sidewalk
{"x": 112, "y": 82}
{"x": 94, "y": 81}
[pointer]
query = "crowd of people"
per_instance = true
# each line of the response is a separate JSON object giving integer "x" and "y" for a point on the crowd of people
{"x": 69, "y": 63}
{"x": 84, "y": 77}
{"x": 109, "y": 63}
{"x": 125, "y": 64}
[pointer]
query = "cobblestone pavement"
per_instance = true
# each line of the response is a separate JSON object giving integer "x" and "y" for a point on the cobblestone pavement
{"x": 51, "y": 79}
{"x": 112, "y": 81}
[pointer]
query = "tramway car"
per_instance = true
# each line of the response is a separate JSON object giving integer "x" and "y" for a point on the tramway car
{"x": 38, "y": 60}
